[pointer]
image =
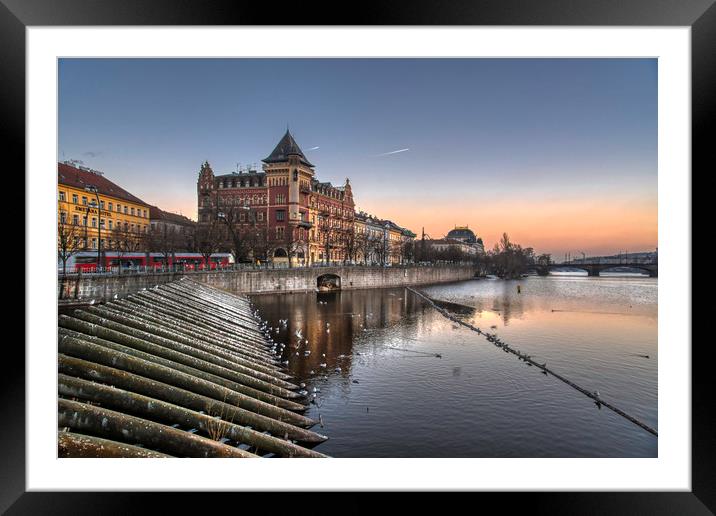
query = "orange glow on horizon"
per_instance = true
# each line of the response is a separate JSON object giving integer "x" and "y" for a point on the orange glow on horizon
{"x": 595, "y": 226}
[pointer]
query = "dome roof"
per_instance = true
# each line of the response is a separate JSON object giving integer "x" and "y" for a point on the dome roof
{"x": 464, "y": 234}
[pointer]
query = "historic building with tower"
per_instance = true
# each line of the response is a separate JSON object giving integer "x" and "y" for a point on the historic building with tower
{"x": 280, "y": 213}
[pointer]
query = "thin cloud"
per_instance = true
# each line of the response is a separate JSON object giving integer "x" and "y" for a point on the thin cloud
{"x": 314, "y": 148}
{"x": 92, "y": 154}
{"x": 393, "y": 152}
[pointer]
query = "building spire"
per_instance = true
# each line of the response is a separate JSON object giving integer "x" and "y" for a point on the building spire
{"x": 285, "y": 148}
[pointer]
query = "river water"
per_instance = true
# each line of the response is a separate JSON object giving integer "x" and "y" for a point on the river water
{"x": 384, "y": 393}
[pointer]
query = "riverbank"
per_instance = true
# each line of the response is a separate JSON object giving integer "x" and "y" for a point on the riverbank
{"x": 100, "y": 287}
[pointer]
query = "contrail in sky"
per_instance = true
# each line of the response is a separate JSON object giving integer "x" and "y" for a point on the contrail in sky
{"x": 393, "y": 152}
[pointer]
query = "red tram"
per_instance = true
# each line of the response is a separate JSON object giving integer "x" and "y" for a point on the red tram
{"x": 86, "y": 261}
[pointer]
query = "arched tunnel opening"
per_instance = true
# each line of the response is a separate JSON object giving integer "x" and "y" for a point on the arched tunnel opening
{"x": 328, "y": 283}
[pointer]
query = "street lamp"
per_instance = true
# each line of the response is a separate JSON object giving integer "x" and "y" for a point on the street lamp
{"x": 93, "y": 189}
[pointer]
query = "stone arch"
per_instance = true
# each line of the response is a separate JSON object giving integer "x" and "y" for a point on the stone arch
{"x": 328, "y": 282}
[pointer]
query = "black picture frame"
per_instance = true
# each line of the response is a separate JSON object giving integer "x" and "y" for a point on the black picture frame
{"x": 700, "y": 15}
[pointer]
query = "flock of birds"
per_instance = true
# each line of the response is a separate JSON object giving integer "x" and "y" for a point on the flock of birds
{"x": 281, "y": 349}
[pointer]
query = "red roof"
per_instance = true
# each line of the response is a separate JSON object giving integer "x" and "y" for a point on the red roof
{"x": 69, "y": 175}
{"x": 156, "y": 213}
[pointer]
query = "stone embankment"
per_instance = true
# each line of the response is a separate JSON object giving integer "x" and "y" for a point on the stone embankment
{"x": 82, "y": 288}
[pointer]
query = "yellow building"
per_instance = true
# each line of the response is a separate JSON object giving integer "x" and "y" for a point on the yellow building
{"x": 93, "y": 211}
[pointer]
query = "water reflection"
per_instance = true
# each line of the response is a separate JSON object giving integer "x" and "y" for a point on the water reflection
{"x": 400, "y": 380}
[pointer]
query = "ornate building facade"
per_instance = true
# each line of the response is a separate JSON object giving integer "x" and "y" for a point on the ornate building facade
{"x": 281, "y": 213}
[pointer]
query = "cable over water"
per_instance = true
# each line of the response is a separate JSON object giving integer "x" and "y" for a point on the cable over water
{"x": 528, "y": 359}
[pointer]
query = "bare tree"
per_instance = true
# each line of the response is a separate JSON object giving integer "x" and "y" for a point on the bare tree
{"x": 206, "y": 239}
{"x": 165, "y": 239}
{"x": 350, "y": 244}
{"x": 69, "y": 242}
{"x": 125, "y": 241}
{"x": 361, "y": 246}
{"x": 378, "y": 247}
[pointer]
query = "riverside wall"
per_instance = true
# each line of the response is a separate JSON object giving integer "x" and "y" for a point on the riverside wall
{"x": 97, "y": 288}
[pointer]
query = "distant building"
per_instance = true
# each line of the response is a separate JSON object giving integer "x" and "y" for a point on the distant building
{"x": 465, "y": 235}
{"x": 171, "y": 230}
{"x": 444, "y": 245}
{"x": 159, "y": 217}
{"x": 380, "y": 241}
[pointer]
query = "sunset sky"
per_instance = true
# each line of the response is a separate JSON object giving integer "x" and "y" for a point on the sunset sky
{"x": 559, "y": 153}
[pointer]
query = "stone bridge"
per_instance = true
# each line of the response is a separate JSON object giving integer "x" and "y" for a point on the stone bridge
{"x": 594, "y": 268}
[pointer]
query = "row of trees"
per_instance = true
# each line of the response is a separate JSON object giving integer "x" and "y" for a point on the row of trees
{"x": 510, "y": 260}
{"x": 229, "y": 231}
{"x": 161, "y": 238}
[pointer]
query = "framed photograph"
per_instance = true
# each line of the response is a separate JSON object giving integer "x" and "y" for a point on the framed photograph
{"x": 443, "y": 249}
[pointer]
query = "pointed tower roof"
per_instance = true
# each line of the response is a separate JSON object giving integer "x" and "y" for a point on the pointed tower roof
{"x": 285, "y": 148}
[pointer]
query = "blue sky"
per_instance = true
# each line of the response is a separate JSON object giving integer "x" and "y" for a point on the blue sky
{"x": 527, "y": 146}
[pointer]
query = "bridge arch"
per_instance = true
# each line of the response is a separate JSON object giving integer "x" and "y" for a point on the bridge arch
{"x": 643, "y": 270}
{"x": 328, "y": 282}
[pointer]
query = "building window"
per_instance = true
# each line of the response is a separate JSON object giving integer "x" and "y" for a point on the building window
{"x": 119, "y": 208}
{"x": 261, "y": 216}
{"x": 242, "y": 217}
{"x": 280, "y": 215}
{"x": 132, "y": 210}
{"x": 280, "y": 198}
{"x": 125, "y": 210}
{"x": 62, "y": 196}
{"x": 74, "y": 198}
{"x": 94, "y": 222}
{"x": 84, "y": 200}
{"x": 75, "y": 220}
{"x": 145, "y": 213}
{"x": 63, "y": 217}
{"x": 279, "y": 233}
{"x": 111, "y": 206}
{"x": 101, "y": 204}
{"x": 94, "y": 243}
{"x": 101, "y": 223}
{"x": 110, "y": 224}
